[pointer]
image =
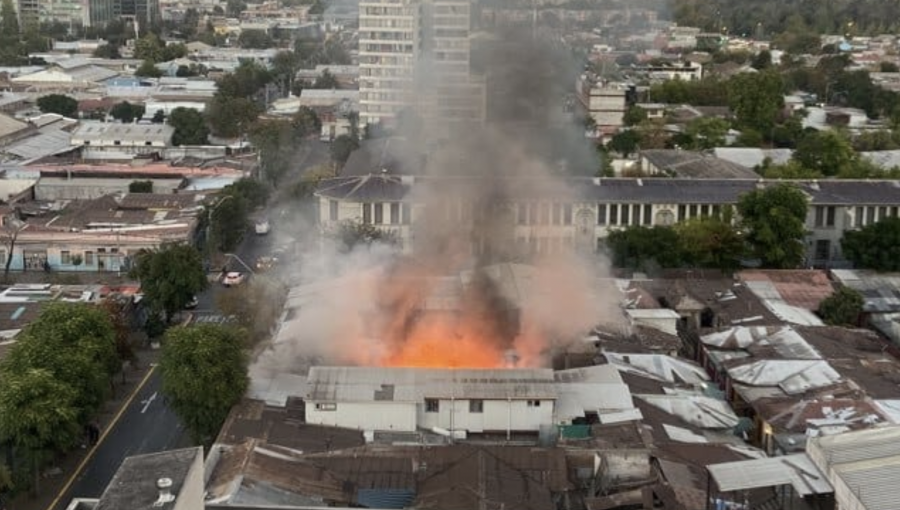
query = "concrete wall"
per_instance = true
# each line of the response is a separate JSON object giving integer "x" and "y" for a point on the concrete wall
{"x": 365, "y": 415}
{"x": 191, "y": 495}
{"x": 497, "y": 415}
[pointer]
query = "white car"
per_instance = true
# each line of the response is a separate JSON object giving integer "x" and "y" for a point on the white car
{"x": 262, "y": 227}
{"x": 233, "y": 278}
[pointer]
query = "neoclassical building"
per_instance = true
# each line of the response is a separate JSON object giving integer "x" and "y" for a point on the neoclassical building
{"x": 539, "y": 215}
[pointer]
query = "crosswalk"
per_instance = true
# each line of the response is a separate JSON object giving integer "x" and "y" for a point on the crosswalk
{"x": 210, "y": 317}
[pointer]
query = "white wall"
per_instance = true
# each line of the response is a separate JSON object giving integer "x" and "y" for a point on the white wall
{"x": 190, "y": 497}
{"x": 498, "y": 415}
{"x": 366, "y": 415}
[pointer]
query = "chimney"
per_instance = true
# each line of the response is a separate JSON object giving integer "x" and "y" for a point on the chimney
{"x": 165, "y": 492}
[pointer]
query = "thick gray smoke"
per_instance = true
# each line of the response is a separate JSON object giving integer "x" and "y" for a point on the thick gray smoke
{"x": 476, "y": 284}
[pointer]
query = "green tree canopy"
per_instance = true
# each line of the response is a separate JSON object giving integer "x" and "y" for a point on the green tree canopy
{"x": 190, "y": 127}
{"x": 204, "y": 373}
{"x": 825, "y": 152}
{"x": 644, "y": 248}
{"x": 707, "y": 132}
{"x": 756, "y": 99}
{"x": 342, "y": 147}
{"x": 254, "y": 192}
{"x": 875, "y": 246}
{"x": 326, "y": 80}
{"x": 127, "y": 112}
{"x": 773, "y": 221}
{"x": 634, "y": 115}
{"x": 246, "y": 80}
{"x": 148, "y": 69}
{"x": 711, "y": 242}
{"x": 150, "y": 47}
{"x": 255, "y": 39}
{"x": 229, "y": 218}
{"x": 170, "y": 277}
{"x": 140, "y": 186}
{"x": 842, "y": 308}
{"x": 624, "y": 142}
{"x": 58, "y": 103}
{"x": 110, "y": 51}
{"x": 231, "y": 117}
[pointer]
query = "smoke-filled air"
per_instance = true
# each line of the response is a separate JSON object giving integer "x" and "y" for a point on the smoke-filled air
{"x": 467, "y": 292}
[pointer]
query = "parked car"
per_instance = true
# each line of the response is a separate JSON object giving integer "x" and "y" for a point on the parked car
{"x": 233, "y": 278}
{"x": 262, "y": 227}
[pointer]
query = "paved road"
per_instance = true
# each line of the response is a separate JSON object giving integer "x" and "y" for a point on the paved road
{"x": 146, "y": 426}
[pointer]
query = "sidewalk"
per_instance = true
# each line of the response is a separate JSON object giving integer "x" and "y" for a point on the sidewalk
{"x": 57, "y": 474}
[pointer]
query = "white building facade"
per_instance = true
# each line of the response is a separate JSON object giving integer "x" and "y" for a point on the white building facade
{"x": 597, "y": 206}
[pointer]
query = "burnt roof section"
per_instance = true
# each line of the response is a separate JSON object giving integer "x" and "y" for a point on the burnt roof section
{"x": 696, "y": 165}
{"x": 134, "y": 484}
{"x": 390, "y": 187}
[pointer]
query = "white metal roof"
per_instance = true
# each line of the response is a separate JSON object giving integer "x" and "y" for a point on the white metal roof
{"x": 659, "y": 366}
{"x": 772, "y": 299}
{"x": 786, "y": 341}
{"x": 792, "y": 376}
{"x": 795, "y": 470}
{"x": 696, "y": 409}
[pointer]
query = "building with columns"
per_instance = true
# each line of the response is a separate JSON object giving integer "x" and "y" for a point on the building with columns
{"x": 537, "y": 215}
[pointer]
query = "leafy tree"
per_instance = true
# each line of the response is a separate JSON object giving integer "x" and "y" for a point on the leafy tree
{"x": 158, "y": 117}
{"x": 326, "y": 80}
{"x": 204, "y": 373}
{"x": 306, "y": 122}
{"x": 825, "y": 152}
{"x": 762, "y": 60}
{"x": 254, "y": 192}
{"x": 58, "y": 103}
{"x": 118, "y": 312}
{"x": 711, "y": 242}
{"x": 888, "y": 67}
{"x": 644, "y": 248}
{"x": 652, "y": 134}
{"x": 773, "y": 220}
{"x": 276, "y": 141}
{"x": 173, "y": 51}
{"x": 231, "y": 117}
{"x": 880, "y": 140}
{"x": 228, "y": 222}
{"x": 707, "y": 132}
{"x": 148, "y": 69}
{"x": 110, "y": 51}
{"x": 624, "y": 142}
{"x": 38, "y": 414}
{"x": 342, "y": 147}
{"x": 234, "y": 8}
{"x": 756, "y": 99}
{"x": 246, "y": 80}
{"x": 190, "y": 127}
{"x": 140, "y": 187}
{"x": 170, "y": 277}
{"x": 127, "y": 112}
{"x": 875, "y": 246}
{"x": 255, "y": 39}
{"x": 842, "y": 308}
{"x": 634, "y": 115}
{"x": 150, "y": 47}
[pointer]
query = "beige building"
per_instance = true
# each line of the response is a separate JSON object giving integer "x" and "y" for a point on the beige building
{"x": 593, "y": 207}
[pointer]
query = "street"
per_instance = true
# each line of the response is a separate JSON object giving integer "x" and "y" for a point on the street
{"x": 147, "y": 425}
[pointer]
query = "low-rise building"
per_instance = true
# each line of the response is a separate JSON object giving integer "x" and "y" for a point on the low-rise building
{"x": 102, "y": 140}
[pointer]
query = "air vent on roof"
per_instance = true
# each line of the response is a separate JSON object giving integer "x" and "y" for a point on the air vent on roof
{"x": 165, "y": 492}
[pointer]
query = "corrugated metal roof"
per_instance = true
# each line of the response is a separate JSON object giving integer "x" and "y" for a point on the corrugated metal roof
{"x": 792, "y": 376}
{"x": 787, "y": 342}
{"x": 695, "y": 409}
{"x": 659, "y": 366}
{"x": 795, "y": 470}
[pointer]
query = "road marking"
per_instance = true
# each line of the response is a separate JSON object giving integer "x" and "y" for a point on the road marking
{"x": 102, "y": 437}
{"x": 147, "y": 402}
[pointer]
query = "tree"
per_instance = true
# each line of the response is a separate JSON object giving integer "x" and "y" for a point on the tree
{"x": 707, "y": 132}
{"x": 246, "y": 80}
{"x": 255, "y": 39}
{"x": 762, "y": 60}
{"x": 110, "y": 51}
{"x": 254, "y": 192}
{"x": 326, "y": 80}
{"x": 644, "y": 248}
{"x": 148, "y": 69}
{"x": 59, "y": 104}
{"x": 624, "y": 142}
{"x": 190, "y": 127}
{"x": 170, "y": 277}
{"x": 228, "y": 220}
{"x": 256, "y": 305}
{"x": 158, "y": 117}
{"x": 118, "y": 312}
{"x": 888, "y": 67}
{"x": 37, "y": 414}
{"x": 150, "y": 47}
{"x": 711, "y": 242}
{"x": 756, "y": 99}
{"x": 234, "y": 8}
{"x": 306, "y": 122}
{"x": 773, "y": 220}
{"x": 875, "y": 246}
{"x": 634, "y": 115}
{"x": 826, "y": 152}
{"x": 127, "y": 112}
{"x": 204, "y": 373}
{"x": 140, "y": 187}
{"x": 230, "y": 117}
{"x": 342, "y": 147}
{"x": 275, "y": 140}
{"x": 842, "y": 308}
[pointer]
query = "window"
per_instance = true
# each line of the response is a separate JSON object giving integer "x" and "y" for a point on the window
{"x": 693, "y": 210}
{"x": 648, "y": 214}
{"x": 613, "y": 214}
{"x": 870, "y": 215}
{"x": 682, "y": 212}
{"x": 65, "y": 258}
{"x": 476, "y": 406}
{"x": 326, "y": 406}
{"x": 556, "y": 214}
{"x": 88, "y": 258}
{"x": 406, "y": 214}
{"x": 534, "y": 403}
{"x": 379, "y": 214}
{"x": 545, "y": 214}
{"x": 567, "y": 214}
{"x": 332, "y": 210}
{"x": 820, "y": 216}
{"x": 636, "y": 213}
{"x": 829, "y": 216}
{"x": 859, "y": 216}
{"x": 117, "y": 142}
{"x": 367, "y": 213}
{"x": 601, "y": 214}
{"x": 625, "y": 215}
{"x": 148, "y": 143}
{"x": 432, "y": 405}
{"x": 395, "y": 213}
